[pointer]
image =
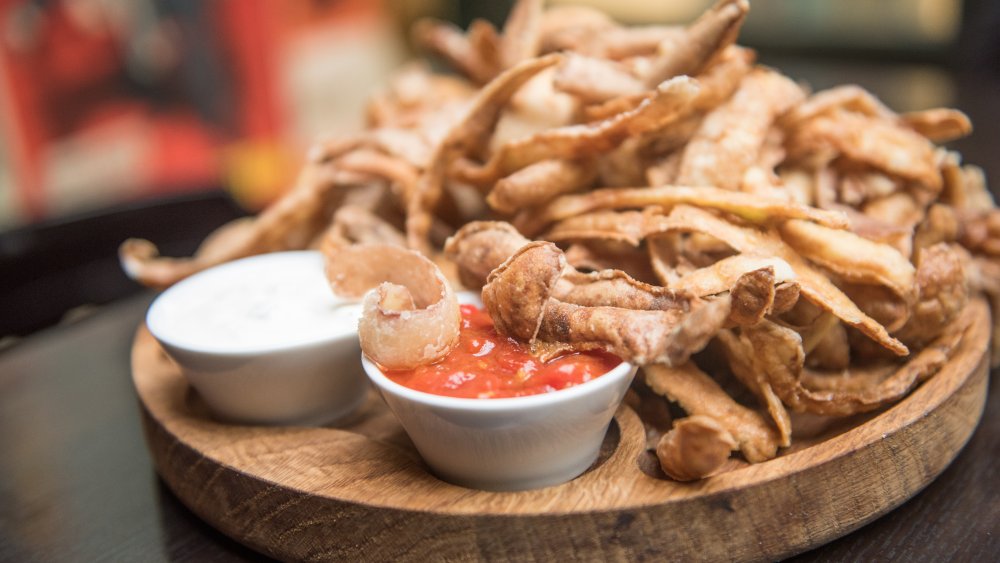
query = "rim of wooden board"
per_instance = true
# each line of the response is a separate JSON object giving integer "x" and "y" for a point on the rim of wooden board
{"x": 307, "y": 493}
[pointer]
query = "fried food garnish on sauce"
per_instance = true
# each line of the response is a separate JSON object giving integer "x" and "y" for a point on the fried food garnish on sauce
{"x": 410, "y": 313}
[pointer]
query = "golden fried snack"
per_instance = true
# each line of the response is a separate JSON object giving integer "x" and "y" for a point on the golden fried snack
{"x": 694, "y": 448}
{"x": 483, "y": 53}
{"x": 777, "y": 352}
{"x": 943, "y": 292}
{"x": 939, "y": 124}
{"x": 577, "y": 141}
{"x": 752, "y": 208}
{"x": 480, "y": 247}
{"x": 852, "y": 257}
{"x": 699, "y": 394}
{"x": 357, "y": 225}
{"x": 702, "y": 42}
{"x": 470, "y": 134}
{"x": 410, "y": 313}
{"x": 813, "y": 285}
{"x": 530, "y": 277}
{"x": 290, "y": 223}
{"x": 730, "y": 138}
{"x": 538, "y": 183}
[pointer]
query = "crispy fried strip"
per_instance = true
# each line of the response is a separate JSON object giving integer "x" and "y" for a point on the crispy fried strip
{"x": 671, "y": 100}
{"x": 939, "y": 124}
{"x": 615, "y": 288}
{"x": 410, "y": 313}
{"x": 943, "y": 292}
{"x": 852, "y": 257}
{"x": 753, "y": 208}
{"x": 479, "y": 247}
{"x": 730, "y": 138}
{"x": 538, "y": 183}
{"x": 882, "y": 144}
{"x": 629, "y": 227}
{"x": 290, "y": 223}
{"x": 778, "y": 354}
{"x": 813, "y": 284}
{"x": 703, "y": 40}
{"x": 694, "y": 448}
{"x": 448, "y": 42}
{"x": 471, "y": 133}
{"x": 699, "y": 394}
{"x": 722, "y": 275}
{"x": 522, "y": 31}
{"x": 741, "y": 363}
{"x": 596, "y": 80}
{"x": 849, "y": 97}
{"x": 530, "y": 277}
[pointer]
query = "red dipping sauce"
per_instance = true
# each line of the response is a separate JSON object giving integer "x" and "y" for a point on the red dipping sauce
{"x": 488, "y": 365}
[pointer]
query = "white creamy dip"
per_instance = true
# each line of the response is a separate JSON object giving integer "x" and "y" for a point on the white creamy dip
{"x": 259, "y": 303}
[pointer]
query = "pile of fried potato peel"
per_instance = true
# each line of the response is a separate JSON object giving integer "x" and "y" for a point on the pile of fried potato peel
{"x": 653, "y": 192}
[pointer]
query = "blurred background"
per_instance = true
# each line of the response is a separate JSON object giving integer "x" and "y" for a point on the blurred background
{"x": 109, "y": 107}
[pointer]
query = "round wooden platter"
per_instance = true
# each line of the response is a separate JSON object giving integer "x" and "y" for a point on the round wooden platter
{"x": 360, "y": 491}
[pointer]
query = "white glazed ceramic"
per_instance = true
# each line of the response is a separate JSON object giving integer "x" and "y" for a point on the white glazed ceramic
{"x": 508, "y": 444}
{"x": 311, "y": 378}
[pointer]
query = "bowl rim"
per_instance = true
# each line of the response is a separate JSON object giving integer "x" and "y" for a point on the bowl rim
{"x": 539, "y": 400}
{"x": 168, "y": 340}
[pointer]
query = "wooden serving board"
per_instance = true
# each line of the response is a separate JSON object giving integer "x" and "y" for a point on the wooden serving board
{"x": 360, "y": 491}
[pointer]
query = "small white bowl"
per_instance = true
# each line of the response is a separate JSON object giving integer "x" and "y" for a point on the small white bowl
{"x": 508, "y": 444}
{"x": 263, "y": 340}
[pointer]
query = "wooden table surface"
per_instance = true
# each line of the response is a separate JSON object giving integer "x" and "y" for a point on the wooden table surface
{"x": 77, "y": 484}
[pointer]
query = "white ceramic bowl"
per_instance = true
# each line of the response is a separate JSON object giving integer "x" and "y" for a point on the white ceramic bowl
{"x": 508, "y": 444}
{"x": 283, "y": 349}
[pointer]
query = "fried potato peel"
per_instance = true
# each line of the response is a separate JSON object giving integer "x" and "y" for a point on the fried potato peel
{"x": 410, "y": 313}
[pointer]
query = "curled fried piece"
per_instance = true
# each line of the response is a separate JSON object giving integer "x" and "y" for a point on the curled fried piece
{"x": 754, "y": 208}
{"x": 530, "y": 278}
{"x": 411, "y": 317}
{"x": 852, "y": 257}
{"x": 813, "y": 285}
{"x": 699, "y": 394}
{"x": 479, "y": 247}
{"x": 777, "y": 352}
{"x": 694, "y": 448}
{"x": 943, "y": 292}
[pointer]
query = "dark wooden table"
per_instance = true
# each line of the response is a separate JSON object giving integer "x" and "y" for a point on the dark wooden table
{"x": 76, "y": 482}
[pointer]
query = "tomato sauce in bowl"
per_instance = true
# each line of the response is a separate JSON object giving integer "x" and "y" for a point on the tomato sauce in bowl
{"x": 488, "y": 365}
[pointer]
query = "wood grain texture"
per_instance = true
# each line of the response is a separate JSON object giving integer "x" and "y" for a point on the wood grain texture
{"x": 361, "y": 490}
